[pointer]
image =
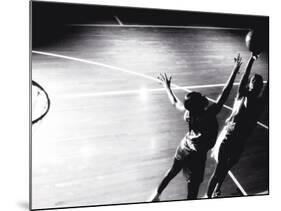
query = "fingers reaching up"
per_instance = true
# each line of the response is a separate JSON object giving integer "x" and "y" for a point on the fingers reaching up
{"x": 238, "y": 60}
{"x": 165, "y": 80}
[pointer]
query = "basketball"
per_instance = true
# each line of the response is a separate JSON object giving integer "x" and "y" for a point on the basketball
{"x": 255, "y": 41}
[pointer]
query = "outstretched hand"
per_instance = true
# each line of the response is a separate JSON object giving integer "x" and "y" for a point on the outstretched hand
{"x": 237, "y": 62}
{"x": 165, "y": 80}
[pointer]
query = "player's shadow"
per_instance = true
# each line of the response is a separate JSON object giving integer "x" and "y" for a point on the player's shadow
{"x": 24, "y": 205}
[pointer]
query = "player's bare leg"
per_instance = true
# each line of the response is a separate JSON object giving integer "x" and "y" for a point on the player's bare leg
{"x": 217, "y": 179}
{"x": 170, "y": 174}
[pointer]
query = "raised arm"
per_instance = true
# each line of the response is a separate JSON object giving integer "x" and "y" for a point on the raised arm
{"x": 244, "y": 81}
{"x": 265, "y": 95}
{"x": 166, "y": 82}
{"x": 227, "y": 88}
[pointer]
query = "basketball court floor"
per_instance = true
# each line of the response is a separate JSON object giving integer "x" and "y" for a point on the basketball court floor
{"x": 111, "y": 132}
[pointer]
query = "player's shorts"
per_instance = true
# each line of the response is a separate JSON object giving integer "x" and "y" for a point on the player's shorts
{"x": 193, "y": 163}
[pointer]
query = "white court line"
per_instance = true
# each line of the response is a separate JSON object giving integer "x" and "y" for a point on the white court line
{"x": 157, "y": 26}
{"x": 137, "y": 91}
{"x": 96, "y": 63}
{"x": 132, "y": 91}
{"x": 144, "y": 76}
{"x": 129, "y": 72}
{"x": 118, "y": 20}
{"x": 263, "y": 192}
{"x": 237, "y": 183}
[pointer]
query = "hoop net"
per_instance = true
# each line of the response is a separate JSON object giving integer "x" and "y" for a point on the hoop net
{"x": 40, "y": 103}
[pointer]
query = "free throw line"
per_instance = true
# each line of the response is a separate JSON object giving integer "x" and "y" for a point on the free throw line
{"x": 136, "y": 91}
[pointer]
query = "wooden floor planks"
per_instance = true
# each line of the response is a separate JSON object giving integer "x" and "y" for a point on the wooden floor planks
{"x": 115, "y": 149}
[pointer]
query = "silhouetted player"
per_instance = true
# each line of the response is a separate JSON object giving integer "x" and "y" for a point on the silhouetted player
{"x": 248, "y": 105}
{"x": 191, "y": 153}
